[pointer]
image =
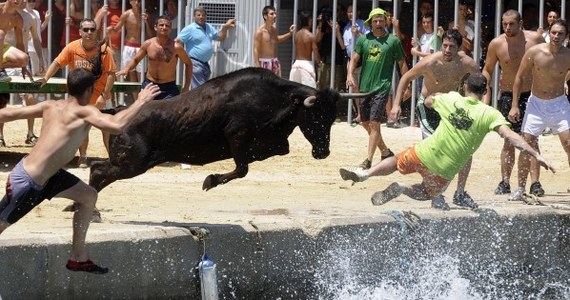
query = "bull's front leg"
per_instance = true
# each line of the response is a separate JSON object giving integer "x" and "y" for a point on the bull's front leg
{"x": 214, "y": 180}
{"x": 238, "y": 143}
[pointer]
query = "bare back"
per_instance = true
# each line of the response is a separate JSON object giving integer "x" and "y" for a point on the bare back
{"x": 132, "y": 26}
{"x": 442, "y": 76}
{"x": 63, "y": 130}
{"x": 548, "y": 70}
{"x": 304, "y": 41}
{"x": 266, "y": 41}
{"x": 161, "y": 60}
{"x": 509, "y": 53}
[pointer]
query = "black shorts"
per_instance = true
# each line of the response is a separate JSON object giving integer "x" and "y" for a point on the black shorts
{"x": 167, "y": 90}
{"x": 372, "y": 107}
{"x": 23, "y": 194}
{"x": 505, "y": 103}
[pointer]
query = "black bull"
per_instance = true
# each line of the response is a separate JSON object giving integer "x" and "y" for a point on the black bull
{"x": 246, "y": 115}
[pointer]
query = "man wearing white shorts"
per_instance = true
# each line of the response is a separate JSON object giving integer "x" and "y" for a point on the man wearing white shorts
{"x": 548, "y": 64}
{"x": 303, "y": 70}
{"x": 129, "y": 51}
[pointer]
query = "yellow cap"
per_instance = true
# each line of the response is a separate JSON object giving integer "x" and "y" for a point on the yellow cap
{"x": 374, "y": 12}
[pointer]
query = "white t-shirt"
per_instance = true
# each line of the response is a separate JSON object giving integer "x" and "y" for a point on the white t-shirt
{"x": 10, "y": 37}
{"x": 429, "y": 43}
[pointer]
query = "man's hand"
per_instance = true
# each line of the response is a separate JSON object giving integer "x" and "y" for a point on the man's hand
{"x": 101, "y": 103}
{"x": 514, "y": 114}
{"x": 395, "y": 114}
{"x": 230, "y": 23}
{"x": 544, "y": 163}
{"x": 292, "y": 28}
{"x": 25, "y": 72}
{"x": 350, "y": 81}
{"x": 122, "y": 72}
{"x": 42, "y": 81}
{"x": 148, "y": 93}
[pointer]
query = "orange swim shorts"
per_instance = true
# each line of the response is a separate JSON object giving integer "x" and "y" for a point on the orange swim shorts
{"x": 408, "y": 162}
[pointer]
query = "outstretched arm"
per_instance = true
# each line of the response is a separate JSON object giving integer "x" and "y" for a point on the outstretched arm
{"x": 10, "y": 114}
{"x": 115, "y": 123}
{"x": 519, "y": 143}
{"x": 285, "y": 36}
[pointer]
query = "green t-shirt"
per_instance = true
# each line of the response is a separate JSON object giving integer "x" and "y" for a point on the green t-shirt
{"x": 378, "y": 56}
{"x": 464, "y": 124}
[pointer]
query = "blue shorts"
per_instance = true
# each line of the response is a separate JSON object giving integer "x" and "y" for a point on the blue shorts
{"x": 167, "y": 90}
{"x": 23, "y": 194}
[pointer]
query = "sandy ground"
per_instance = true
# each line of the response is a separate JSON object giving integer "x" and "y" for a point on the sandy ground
{"x": 295, "y": 189}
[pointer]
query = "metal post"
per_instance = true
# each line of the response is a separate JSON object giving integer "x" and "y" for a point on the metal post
{"x": 87, "y": 9}
{"x": 50, "y": 33}
{"x": 161, "y": 7}
{"x": 496, "y": 72}
{"x": 477, "y": 40}
{"x": 143, "y": 36}
{"x": 456, "y": 13}
{"x": 179, "y": 73}
{"x": 314, "y": 27}
{"x": 295, "y": 15}
{"x": 120, "y": 58}
{"x": 351, "y": 101}
{"x": 415, "y": 60}
{"x": 541, "y": 14}
{"x": 563, "y": 9}
{"x": 333, "y": 45}
{"x": 68, "y": 28}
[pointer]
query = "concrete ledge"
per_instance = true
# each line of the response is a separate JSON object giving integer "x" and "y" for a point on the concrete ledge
{"x": 512, "y": 255}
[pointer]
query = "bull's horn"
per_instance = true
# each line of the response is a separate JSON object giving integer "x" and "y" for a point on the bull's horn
{"x": 310, "y": 101}
{"x": 356, "y": 95}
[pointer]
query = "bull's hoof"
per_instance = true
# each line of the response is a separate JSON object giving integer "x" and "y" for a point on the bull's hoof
{"x": 210, "y": 182}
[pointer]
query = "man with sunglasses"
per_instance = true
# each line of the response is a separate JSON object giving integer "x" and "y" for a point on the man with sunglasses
{"x": 83, "y": 53}
{"x": 12, "y": 57}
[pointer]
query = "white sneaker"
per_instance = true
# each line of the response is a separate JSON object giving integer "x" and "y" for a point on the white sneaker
{"x": 185, "y": 166}
{"x": 354, "y": 174}
{"x": 392, "y": 191}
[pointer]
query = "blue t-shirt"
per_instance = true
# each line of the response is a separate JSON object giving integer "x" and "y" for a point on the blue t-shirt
{"x": 198, "y": 40}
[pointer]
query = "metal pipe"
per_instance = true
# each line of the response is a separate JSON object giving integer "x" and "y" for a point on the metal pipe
{"x": 179, "y": 70}
{"x": 563, "y": 9}
{"x": 352, "y": 42}
{"x": 104, "y": 27}
{"x": 143, "y": 35}
{"x": 541, "y": 14}
{"x": 314, "y": 27}
{"x": 496, "y": 72}
{"x": 519, "y": 7}
{"x": 160, "y": 7}
{"x": 456, "y": 13}
{"x": 68, "y": 29}
{"x": 295, "y": 15}
{"x": 477, "y": 40}
{"x": 87, "y": 9}
{"x": 50, "y": 33}
{"x": 333, "y": 45}
{"x": 415, "y": 60}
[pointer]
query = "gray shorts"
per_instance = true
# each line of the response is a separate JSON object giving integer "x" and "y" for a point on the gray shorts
{"x": 23, "y": 194}
{"x": 372, "y": 107}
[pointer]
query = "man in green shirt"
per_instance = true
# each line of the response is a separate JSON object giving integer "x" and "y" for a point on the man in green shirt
{"x": 465, "y": 121}
{"x": 379, "y": 52}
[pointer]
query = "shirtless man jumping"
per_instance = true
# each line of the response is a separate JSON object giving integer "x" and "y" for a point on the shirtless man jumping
{"x": 12, "y": 57}
{"x": 265, "y": 41}
{"x": 508, "y": 49}
{"x": 162, "y": 52}
{"x": 40, "y": 175}
{"x": 549, "y": 67}
{"x": 303, "y": 70}
{"x": 443, "y": 72}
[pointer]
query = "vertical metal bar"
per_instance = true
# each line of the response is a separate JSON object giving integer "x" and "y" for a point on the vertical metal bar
{"x": 50, "y": 33}
{"x": 477, "y": 40}
{"x": 333, "y": 45}
{"x": 119, "y": 59}
{"x": 456, "y": 13}
{"x": 105, "y": 21}
{"x": 86, "y": 9}
{"x": 68, "y": 28}
{"x": 519, "y": 7}
{"x": 179, "y": 65}
{"x": 314, "y": 28}
{"x": 435, "y": 15}
{"x": 351, "y": 101}
{"x": 563, "y": 9}
{"x": 374, "y": 4}
{"x": 295, "y": 14}
{"x": 395, "y": 13}
{"x": 415, "y": 60}
{"x": 496, "y": 72}
{"x": 143, "y": 36}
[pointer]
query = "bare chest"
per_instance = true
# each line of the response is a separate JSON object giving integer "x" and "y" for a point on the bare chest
{"x": 161, "y": 53}
{"x": 510, "y": 55}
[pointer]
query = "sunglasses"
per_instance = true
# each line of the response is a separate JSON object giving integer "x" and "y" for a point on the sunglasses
{"x": 89, "y": 29}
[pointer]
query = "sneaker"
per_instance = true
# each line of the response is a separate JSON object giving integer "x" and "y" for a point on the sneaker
{"x": 85, "y": 266}
{"x": 394, "y": 190}
{"x": 390, "y": 154}
{"x": 366, "y": 164}
{"x": 31, "y": 140}
{"x": 82, "y": 162}
{"x": 356, "y": 175}
{"x": 439, "y": 203}
{"x": 4, "y": 77}
{"x": 464, "y": 200}
{"x": 517, "y": 195}
{"x": 503, "y": 188}
{"x": 536, "y": 189}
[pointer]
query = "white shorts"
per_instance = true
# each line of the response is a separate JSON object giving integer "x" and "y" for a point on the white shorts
{"x": 35, "y": 62}
{"x": 129, "y": 53}
{"x": 303, "y": 72}
{"x": 541, "y": 114}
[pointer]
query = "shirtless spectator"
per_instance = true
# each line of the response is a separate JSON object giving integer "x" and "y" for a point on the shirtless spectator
{"x": 162, "y": 54}
{"x": 443, "y": 72}
{"x": 132, "y": 19}
{"x": 113, "y": 12}
{"x": 40, "y": 175}
{"x": 508, "y": 49}
{"x": 302, "y": 70}
{"x": 12, "y": 57}
{"x": 265, "y": 42}
{"x": 465, "y": 29}
{"x": 549, "y": 68}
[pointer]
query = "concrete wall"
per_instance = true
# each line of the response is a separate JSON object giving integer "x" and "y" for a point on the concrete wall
{"x": 496, "y": 253}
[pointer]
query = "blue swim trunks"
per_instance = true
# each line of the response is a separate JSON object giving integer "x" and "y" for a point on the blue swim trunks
{"x": 167, "y": 90}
